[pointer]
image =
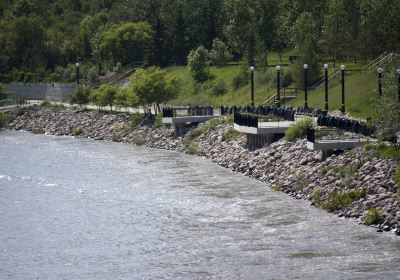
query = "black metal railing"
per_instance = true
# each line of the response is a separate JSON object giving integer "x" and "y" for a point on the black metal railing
{"x": 346, "y": 124}
{"x": 188, "y": 111}
{"x": 245, "y": 119}
{"x": 284, "y": 113}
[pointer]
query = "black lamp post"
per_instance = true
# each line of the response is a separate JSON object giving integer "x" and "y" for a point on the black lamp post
{"x": 398, "y": 84}
{"x": 305, "y": 85}
{"x": 77, "y": 72}
{"x": 252, "y": 86}
{"x": 278, "y": 86}
{"x": 379, "y": 71}
{"x": 343, "y": 97}
{"x": 326, "y": 66}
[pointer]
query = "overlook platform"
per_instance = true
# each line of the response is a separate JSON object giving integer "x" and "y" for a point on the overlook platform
{"x": 183, "y": 118}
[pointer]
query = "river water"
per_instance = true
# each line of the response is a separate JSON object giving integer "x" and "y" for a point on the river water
{"x": 82, "y": 209}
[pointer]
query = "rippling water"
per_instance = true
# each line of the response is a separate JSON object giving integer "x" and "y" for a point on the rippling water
{"x": 81, "y": 209}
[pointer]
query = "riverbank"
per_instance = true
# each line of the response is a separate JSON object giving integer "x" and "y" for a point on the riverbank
{"x": 357, "y": 184}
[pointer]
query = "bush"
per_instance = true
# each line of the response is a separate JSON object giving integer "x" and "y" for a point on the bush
{"x": 239, "y": 81}
{"x": 77, "y": 131}
{"x": 230, "y": 134}
{"x": 3, "y": 94}
{"x": 46, "y": 103}
{"x": 386, "y": 117}
{"x": 219, "y": 89}
{"x": 157, "y": 123}
{"x": 219, "y": 55}
{"x": 299, "y": 129}
{"x": 198, "y": 63}
{"x": 193, "y": 148}
{"x": 139, "y": 141}
{"x": 383, "y": 151}
{"x": 340, "y": 201}
{"x": 316, "y": 197}
{"x": 3, "y": 118}
{"x": 80, "y": 96}
{"x": 373, "y": 217}
{"x": 136, "y": 120}
{"x": 287, "y": 78}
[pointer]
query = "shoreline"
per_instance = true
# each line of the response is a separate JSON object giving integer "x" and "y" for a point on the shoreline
{"x": 349, "y": 184}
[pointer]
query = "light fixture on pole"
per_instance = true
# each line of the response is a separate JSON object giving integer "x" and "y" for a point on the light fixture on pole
{"x": 252, "y": 86}
{"x": 326, "y": 66}
{"x": 342, "y": 70}
{"x": 77, "y": 72}
{"x": 278, "y": 86}
{"x": 305, "y": 66}
{"x": 398, "y": 84}
{"x": 379, "y": 71}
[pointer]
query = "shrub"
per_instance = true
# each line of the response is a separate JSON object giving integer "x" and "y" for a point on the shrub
{"x": 136, "y": 120}
{"x": 219, "y": 89}
{"x": 239, "y": 81}
{"x": 193, "y": 134}
{"x": 299, "y": 129}
{"x": 219, "y": 55}
{"x": 230, "y": 134}
{"x": 80, "y": 96}
{"x": 77, "y": 131}
{"x": 277, "y": 187}
{"x": 386, "y": 118}
{"x": 383, "y": 151}
{"x": 316, "y": 197}
{"x": 287, "y": 78}
{"x": 198, "y": 63}
{"x": 373, "y": 217}
{"x": 46, "y": 103}
{"x": 3, "y": 94}
{"x": 340, "y": 201}
{"x": 3, "y": 118}
{"x": 157, "y": 123}
{"x": 193, "y": 148}
{"x": 211, "y": 125}
{"x": 323, "y": 170}
{"x": 139, "y": 141}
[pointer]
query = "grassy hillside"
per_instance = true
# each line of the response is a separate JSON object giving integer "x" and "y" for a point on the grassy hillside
{"x": 360, "y": 88}
{"x": 360, "y": 91}
{"x": 202, "y": 94}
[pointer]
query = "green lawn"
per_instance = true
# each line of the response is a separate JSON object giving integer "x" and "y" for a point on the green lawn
{"x": 360, "y": 91}
{"x": 201, "y": 94}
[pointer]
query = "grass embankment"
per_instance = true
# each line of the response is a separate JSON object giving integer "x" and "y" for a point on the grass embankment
{"x": 223, "y": 77}
{"x": 196, "y": 94}
{"x": 360, "y": 90}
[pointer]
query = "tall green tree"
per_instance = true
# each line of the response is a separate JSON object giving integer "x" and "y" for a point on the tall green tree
{"x": 126, "y": 42}
{"x": 308, "y": 56}
{"x": 154, "y": 86}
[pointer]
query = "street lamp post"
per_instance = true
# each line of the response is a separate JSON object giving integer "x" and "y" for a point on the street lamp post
{"x": 77, "y": 73}
{"x": 343, "y": 97}
{"x": 305, "y": 85}
{"x": 326, "y": 66}
{"x": 278, "y": 86}
{"x": 379, "y": 71}
{"x": 252, "y": 85}
{"x": 398, "y": 84}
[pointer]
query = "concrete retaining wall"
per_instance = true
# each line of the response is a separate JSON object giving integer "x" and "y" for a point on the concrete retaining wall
{"x": 41, "y": 91}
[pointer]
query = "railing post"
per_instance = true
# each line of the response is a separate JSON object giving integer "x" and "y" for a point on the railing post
{"x": 326, "y": 66}
{"x": 305, "y": 85}
{"x": 343, "y": 97}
